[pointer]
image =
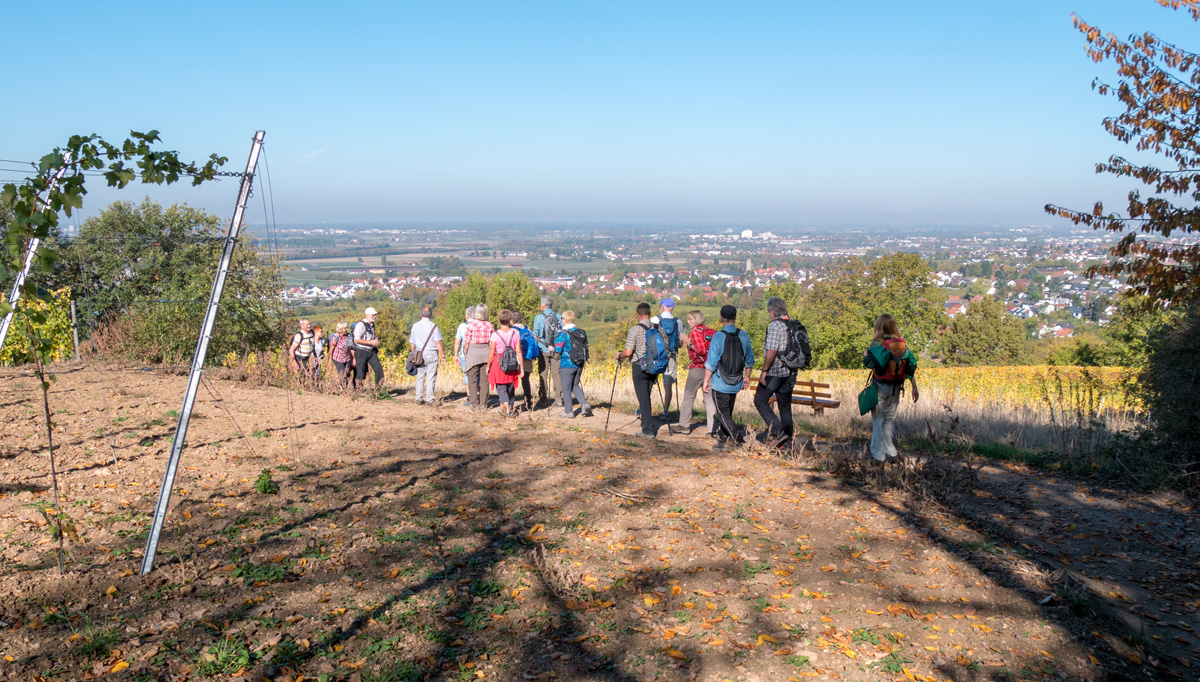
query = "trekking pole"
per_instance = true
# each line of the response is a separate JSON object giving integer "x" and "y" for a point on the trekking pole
{"x": 660, "y": 399}
{"x": 612, "y": 394}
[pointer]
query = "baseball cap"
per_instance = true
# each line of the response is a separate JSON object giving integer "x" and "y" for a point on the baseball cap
{"x": 728, "y": 312}
{"x": 667, "y": 303}
{"x": 370, "y": 311}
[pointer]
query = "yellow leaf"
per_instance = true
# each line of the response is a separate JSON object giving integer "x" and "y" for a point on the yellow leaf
{"x": 676, "y": 653}
{"x": 1093, "y": 659}
{"x": 766, "y": 638}
{"x": 676, "y": 590}
{"x": 907, "y": 673}
{"x": 650, "y": 601}
{"x": 119, "y": 666}
{"x": 875, "y": 613}
{"x": 849, "y": 653}
{"x": 112, "y": 589}
{"x": 688, "y": 605}
{"x": 579, "y": 639}
{"x": 668, "y": 634}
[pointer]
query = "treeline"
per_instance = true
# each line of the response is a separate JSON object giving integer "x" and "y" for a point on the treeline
{"x": 141, "y": 276}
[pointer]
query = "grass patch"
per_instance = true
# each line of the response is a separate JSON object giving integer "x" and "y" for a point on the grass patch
{"x": 223, "y": 658}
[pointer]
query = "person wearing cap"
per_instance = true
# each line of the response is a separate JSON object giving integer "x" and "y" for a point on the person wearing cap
{"x": 365, "y": 346}
{"x": 724, "y": 388}
{"x": 670, "y": 326}
{"x": 635, "y": 348}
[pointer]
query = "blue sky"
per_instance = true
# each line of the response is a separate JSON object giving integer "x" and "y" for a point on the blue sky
{"x": 793, "y": 113}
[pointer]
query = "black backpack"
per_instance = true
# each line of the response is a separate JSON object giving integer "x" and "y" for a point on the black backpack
{"x": 733, "y": 359}
{"x": 510, "y": 362}
{"x": 798, "y": 354}
{"x": 551, "y": 328}
{"x": 579, "y": 346}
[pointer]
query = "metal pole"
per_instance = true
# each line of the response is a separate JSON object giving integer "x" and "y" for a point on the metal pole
{"x": 33, "y": 245}
{"x": 16, "y": 290}
{"x": 75, "y": 330}
{"x": 189, "y": 397}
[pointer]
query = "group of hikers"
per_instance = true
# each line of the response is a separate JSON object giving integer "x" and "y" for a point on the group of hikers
{"x": 553, "y": 352}
{"x": 348, "y": 353}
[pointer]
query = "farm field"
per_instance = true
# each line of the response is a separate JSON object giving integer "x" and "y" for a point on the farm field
{"x": 315, "y": 534}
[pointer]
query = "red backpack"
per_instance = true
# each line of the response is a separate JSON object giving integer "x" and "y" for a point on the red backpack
{"x": 698, "y": 352}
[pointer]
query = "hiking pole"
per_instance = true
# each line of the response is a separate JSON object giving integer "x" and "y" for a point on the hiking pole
{"x": 660, "y": 399}
{"x": 612, "y": 394}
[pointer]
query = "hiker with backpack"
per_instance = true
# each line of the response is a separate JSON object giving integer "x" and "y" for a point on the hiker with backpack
{"x": 530, "y": 352}
{"x": 572, "y": 347}
{"x": 726, "y": 372}
{"x": 302, "y": 349}
{"x": 891, "y": 363}
{"x": 318, "y": 356}
{"x": 424, "y": 357}
{"x": 459, "y": 348}
{"x": 504, "y": 370}
{"x": 339, "y": 353}
{"x": 546, "y": 327}
{"x": 785, "y": 352}
{"x": 477, "y": 352}
{"x": 365, "y": 346}
{"x": 671, "y": 328}
{"x": 699, "y": 339}
{"x": 646, "y": 348}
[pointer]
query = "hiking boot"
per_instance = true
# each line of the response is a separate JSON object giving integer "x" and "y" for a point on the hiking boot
{"x": 643, "y": 434}
{"x": 565, "y": 415}
{"x": 677, "y": 429}
{"x": 587, "y": 412}
{"x": 780, "y": 440}
{"x": 720, "y": 446}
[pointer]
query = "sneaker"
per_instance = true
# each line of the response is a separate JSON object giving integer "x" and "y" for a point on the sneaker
{"x": 643, "y": 434}
{"x": 565, "y": 415}
{"x": 720, "y": 446}
{"x": 587, "y": 412}
{"x": 677, "y": 429}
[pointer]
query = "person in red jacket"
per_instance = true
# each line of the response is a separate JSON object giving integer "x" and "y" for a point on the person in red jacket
{"x": 697, "y": 346}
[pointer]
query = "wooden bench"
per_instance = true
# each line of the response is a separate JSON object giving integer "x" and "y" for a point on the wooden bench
{"x": 806, "y": 393}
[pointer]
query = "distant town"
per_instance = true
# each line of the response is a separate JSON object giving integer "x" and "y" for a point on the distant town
{"x": 1038, "y": 272}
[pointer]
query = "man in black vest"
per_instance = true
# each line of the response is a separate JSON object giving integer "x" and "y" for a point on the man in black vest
{"x": 365, "y": 346}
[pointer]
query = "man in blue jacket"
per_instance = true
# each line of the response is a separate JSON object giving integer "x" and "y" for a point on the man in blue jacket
{"x": 726, "y": 374}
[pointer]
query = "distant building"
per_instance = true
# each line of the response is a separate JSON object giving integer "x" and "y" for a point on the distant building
{"x": 747, "y": 234}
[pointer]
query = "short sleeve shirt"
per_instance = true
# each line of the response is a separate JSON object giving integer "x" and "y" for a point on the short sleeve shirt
{"x": 423, "y": 329}
{"x": 777, "y": 340}
{"x": 635, "y": 340}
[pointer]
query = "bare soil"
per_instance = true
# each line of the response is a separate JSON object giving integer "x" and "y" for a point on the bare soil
{"x": 410, "y": 543}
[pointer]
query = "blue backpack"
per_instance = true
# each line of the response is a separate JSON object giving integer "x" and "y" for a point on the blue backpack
{"x": 670, "y": 326}
{"x": 529, "y": 346}
{"x": 656, "y": 359}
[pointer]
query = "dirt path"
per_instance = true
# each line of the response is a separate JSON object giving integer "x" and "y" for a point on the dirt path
{"x": 411, "y": 543}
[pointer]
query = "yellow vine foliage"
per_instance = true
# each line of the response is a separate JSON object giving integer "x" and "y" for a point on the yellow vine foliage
{"x": 56, "y": 329}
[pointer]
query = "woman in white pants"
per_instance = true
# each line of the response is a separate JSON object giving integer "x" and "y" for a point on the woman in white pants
{"x": 892, "y": 364}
